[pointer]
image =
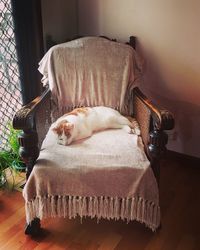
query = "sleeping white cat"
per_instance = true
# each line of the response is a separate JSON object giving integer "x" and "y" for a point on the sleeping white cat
{"x": 82, "y": 122}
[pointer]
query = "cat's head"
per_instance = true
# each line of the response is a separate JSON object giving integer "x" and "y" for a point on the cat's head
{"x": 64, "y": 131}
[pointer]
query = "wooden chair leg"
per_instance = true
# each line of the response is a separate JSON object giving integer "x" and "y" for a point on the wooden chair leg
{"x": 33, "y": 228}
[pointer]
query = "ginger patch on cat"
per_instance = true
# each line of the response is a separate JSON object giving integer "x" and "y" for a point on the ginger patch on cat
{"x": 63, "y": 127}
{"x": 78, "y": 111}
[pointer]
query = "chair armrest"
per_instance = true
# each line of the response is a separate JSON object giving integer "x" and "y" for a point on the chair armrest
{"x": 24, "y": 118}
{"x": 162, "y": 118}
{"x": 150, "y": 117}
{"x": 153, "y": 121}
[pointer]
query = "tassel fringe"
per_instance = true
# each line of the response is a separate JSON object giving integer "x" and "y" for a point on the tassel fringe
{"x": 100, "y": 207}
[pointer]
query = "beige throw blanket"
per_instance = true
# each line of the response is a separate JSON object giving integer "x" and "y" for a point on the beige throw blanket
{"x": 104, "y": 176}
{"x": 108, "y": 174}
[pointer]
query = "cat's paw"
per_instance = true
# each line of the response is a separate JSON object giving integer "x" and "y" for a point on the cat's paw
{"x": 136, "y": 131}
{"x": 127, "y": 129}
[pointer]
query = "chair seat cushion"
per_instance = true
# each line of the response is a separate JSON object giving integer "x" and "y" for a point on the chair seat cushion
{"x": 110, "y": 163}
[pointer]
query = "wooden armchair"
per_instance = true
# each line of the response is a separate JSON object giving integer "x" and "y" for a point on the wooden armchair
{"x": 35, "y": 119}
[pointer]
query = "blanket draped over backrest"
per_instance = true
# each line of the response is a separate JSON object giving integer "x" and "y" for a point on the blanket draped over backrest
{"x": 91, "y": 71}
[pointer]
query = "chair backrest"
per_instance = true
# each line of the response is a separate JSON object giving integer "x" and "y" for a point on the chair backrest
{"x": 90, "y": 71}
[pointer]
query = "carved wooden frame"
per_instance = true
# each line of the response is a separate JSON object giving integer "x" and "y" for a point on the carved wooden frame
{"x": 24, "y": 119}
{"x": 162, "y": 120}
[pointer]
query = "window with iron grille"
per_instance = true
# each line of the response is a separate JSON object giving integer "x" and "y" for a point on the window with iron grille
{"x": 10, "y": 91}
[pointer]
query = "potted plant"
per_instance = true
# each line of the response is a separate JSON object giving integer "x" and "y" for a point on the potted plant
{"x": 13, "y": 146}
{"x": 5, "y": 162}
{"x": 9, "y": 157}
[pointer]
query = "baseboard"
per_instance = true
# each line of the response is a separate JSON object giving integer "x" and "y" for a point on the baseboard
{"x": 183, "y": 157}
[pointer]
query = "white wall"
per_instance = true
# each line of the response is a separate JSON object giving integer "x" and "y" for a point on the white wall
{"x": 106, "y": 17}
{"x": 59, "y": 19}
{"x": 169, "y": 41}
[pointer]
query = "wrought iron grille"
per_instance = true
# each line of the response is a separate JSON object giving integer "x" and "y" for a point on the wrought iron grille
{"x": 10, "y": 92}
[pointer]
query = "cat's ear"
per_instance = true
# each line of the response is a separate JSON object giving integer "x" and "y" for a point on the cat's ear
{"x": 68, "y": 129}
{"x": 69, "y": 126}
{"x": 56, "y": 130}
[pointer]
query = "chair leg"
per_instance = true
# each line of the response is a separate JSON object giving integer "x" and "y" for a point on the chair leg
{"x": 33, "y": 228}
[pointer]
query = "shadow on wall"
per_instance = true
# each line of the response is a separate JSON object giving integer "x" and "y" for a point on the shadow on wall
{"x": 90, "y": 14}
{"x": 186, "y": 135}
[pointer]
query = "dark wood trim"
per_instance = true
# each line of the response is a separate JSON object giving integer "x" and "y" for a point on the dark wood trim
{"x": 114, "y": 40}
{"x": 34, "y": 228}
{"x": 132, "y": 42}
{"x": 28, "y": 139}
{"x": 24, "y": 118}
{"x": 195, "y": 161}
{"x": 156, "y": 148}
{"x": 50, "y": 42}
{"x": 161, "y": 120}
